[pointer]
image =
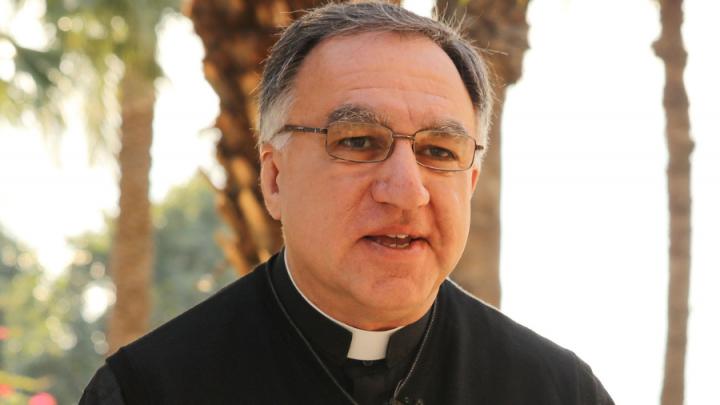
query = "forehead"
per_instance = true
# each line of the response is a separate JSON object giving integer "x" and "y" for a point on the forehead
{"x": 407, "y": 79}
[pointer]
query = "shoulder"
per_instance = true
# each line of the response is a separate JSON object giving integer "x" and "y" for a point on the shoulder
{"x": 231, "y": 317}
{"x": 237, "y": 332}
{"x": 503, "y": 340}
{"x": 103, "y": 389}
{"x": 515, "y": 353}
{"x": 238, "y": 301}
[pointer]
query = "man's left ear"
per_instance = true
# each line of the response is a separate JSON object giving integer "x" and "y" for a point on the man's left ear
{"x": 474, "y": 176}
{"x": 269, "y": 173}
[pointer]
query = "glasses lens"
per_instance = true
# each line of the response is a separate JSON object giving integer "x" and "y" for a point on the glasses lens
{"x": 358, "y": 142}
{"x": 444, "y": 150}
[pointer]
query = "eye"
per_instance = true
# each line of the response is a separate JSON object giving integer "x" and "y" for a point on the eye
{"x": 436, "y": 152}
{"x": 356, "y": 142}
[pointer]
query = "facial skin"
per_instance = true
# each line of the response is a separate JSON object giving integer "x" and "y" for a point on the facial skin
{"x": 332, "y": 210}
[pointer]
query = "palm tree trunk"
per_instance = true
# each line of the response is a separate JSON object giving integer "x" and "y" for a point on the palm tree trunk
{"x": 501, "y": 27}
{"x": 131, "y": 257}
{"x": 669, "y": 47}
{"x": 237, "y": 36}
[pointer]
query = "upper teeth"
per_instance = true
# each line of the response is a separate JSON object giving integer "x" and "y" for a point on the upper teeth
{"x": 398, "y": 236}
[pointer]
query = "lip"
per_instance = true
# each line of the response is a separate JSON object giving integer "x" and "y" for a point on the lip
{"x": 411, "y": 232}
{"x": 415, "y": 248}
{"x": 410, "y": 238}
{"x": 419, "y": 244}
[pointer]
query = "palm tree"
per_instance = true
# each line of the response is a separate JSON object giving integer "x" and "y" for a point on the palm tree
{"x": 131, "y": 257}
{"x": 500, "y": 26}
{"x": 669, "y": 47}
{"x": 237, "y": 37}
{"x": 92, "y": 37}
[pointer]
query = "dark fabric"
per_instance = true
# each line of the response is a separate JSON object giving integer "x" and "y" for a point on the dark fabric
{"x": 237, "y": 348}
{"x": 103, "y": 389}
{"x": 478, "y": 355}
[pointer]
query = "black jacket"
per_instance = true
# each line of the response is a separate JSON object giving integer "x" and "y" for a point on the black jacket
{"x": 239, "y": 347}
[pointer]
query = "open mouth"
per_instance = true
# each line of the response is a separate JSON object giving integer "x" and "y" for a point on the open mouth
{"x": 393, "y": 241}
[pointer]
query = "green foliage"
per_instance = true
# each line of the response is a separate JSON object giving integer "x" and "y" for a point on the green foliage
{"x": 55, "y": 340}
{"x": 188, "y": 263}
{"x": 35, "y": 316}
{"x": 32, "y": 88}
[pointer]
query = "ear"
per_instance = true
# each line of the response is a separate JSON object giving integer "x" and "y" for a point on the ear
{"x": 269, "y": 173}
{"x": 474, "y": 176}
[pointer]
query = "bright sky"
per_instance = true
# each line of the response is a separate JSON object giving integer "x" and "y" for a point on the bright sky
{"x": 584, "y": 249}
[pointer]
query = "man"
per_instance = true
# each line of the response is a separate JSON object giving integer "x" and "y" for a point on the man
{"x": 372, "y": 125}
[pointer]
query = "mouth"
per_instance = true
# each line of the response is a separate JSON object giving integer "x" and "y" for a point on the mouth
{"x": 394, "y": 241}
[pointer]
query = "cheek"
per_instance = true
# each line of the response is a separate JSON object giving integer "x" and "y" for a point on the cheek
{"x": 452, "y": 211}
{"x": 329, "y": 204}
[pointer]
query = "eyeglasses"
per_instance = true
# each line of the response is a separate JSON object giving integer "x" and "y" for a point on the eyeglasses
{"x": 362, "y": 142}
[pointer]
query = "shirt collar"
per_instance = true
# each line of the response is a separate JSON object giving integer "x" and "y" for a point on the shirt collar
{"x": 336, "y": 339}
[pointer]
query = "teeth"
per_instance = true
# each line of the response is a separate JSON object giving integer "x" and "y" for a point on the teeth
{"x": 399, "y": 241}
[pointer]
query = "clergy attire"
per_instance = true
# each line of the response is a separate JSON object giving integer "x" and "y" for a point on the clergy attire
{"x": 260, "y": 341}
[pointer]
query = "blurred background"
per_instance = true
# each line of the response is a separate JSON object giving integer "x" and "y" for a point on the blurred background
{"x": 128, "y": 189}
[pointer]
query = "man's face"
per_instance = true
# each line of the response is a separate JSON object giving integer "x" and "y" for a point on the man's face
{"x": 337, "y": 215}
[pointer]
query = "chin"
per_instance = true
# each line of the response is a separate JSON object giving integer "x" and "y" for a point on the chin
{"x": 398, "y": 297}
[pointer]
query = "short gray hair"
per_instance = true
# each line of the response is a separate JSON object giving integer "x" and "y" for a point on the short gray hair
{"x": 276, "y": 87}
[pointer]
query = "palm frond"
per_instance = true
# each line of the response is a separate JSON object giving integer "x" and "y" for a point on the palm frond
{"x": 85, "y": 36}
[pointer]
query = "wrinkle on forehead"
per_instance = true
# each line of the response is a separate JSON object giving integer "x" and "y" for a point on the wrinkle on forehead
{"x": 426, "y": 68}
{"x": 415, "y": 78}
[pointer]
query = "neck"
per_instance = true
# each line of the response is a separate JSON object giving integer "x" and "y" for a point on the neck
{"x": 346, "y": 309}
{"x": 365, "y": 344}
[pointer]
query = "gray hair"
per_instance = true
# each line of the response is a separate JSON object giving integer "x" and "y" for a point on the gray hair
{"x": 276, "y": 87}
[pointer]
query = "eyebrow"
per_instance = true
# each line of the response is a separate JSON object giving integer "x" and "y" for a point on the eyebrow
{"x": 359, "y": 113}
{"x": 448, "y": 125}
{"x": 356, "y": 113}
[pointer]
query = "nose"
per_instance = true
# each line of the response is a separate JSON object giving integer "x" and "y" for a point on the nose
{"x": 399, "y": 179}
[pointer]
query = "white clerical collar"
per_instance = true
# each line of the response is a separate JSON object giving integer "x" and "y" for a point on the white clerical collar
{"x": 365, "y": 344}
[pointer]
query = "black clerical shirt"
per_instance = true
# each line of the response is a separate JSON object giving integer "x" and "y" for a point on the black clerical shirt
{"x": 258, "y": 341}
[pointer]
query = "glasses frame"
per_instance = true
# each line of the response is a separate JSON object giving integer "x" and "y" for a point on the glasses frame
{"x": 394, "y": 136}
